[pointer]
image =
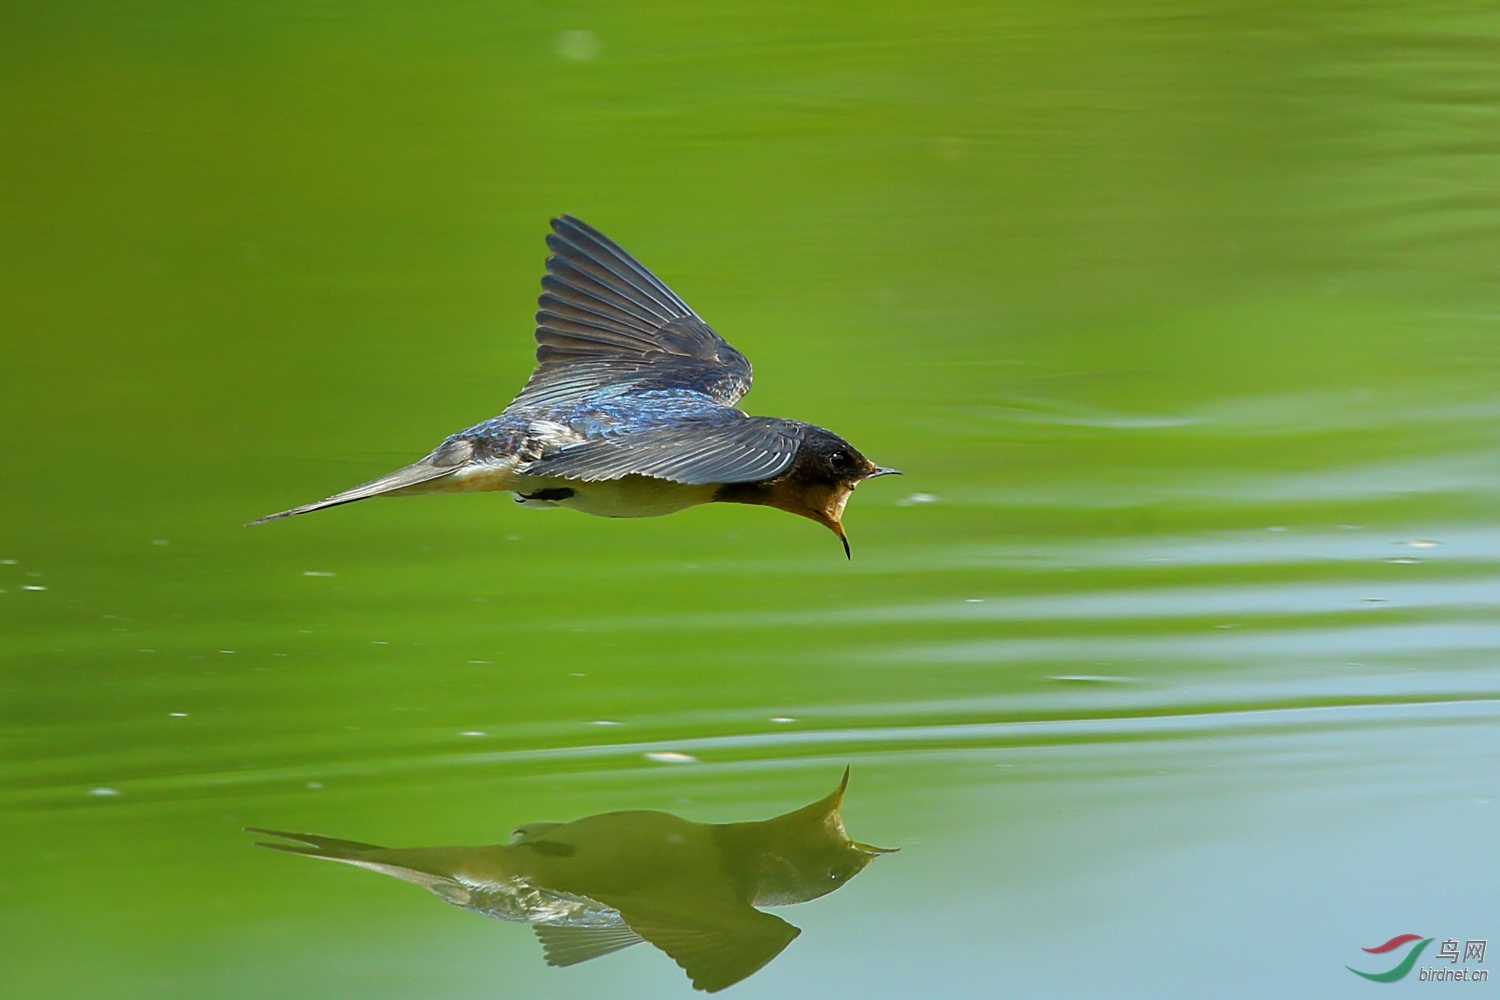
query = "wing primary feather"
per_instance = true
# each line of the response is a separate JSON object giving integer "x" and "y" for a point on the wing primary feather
{"x": 574, "y": 228}
{"x": 580, "y": 312}
{"x": 596, "y": 332}
{"x": 562, "y": 275}
{"x": 583, "y": 262}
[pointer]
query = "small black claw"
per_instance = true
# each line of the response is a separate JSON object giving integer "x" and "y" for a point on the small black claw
{"x": 553, "y": 494}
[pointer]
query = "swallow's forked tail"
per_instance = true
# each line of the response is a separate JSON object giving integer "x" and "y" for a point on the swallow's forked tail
{"x": 442, "y": 463}
{"x": 316, "y": 846}
{"x": 371, "y": 857}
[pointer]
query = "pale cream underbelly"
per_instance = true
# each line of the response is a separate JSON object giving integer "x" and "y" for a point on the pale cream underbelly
{"x": 476, "y": 477}
{"x": 631, "y": 496}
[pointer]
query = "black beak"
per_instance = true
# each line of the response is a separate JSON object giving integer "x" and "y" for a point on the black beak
{"x": 881, "y": 470}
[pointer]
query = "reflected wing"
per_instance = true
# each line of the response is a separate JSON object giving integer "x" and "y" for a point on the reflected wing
{"x": 718, "y": 947}
{"x": 726, "y": 448}
{"x": 603, "y": 319}
{"x": 570, "y": 945}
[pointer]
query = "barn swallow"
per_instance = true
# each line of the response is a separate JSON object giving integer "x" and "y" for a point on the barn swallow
{"x": 630, "y": 412}
{"x": 606, "y": 882}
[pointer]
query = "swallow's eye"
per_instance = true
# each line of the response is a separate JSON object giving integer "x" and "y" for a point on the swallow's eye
{"x": 839, "y": 460}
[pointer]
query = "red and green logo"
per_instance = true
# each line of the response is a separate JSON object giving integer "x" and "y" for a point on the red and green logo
{"x": 1402, "y": 967}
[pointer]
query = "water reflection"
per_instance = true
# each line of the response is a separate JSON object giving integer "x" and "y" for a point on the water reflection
{"x": 606, "y": 882}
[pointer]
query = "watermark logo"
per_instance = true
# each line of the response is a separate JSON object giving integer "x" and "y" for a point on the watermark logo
{"x": 1448, "y": 950}
{"x": 1402, "y": 967}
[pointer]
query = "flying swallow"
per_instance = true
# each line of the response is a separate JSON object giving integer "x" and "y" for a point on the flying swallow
{"x": 630, "y": 412}
{"x": 606, "y": 882}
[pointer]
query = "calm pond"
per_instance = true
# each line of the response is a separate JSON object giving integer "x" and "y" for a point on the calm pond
{"x": 1170, "y": 664}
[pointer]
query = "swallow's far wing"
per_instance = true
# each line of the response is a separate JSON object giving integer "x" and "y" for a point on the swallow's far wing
{"x": 725, "y": 448}
{"x": 563, "y": 946}
{"x": 717, "y": 947}
{"x": 603, "y": 319}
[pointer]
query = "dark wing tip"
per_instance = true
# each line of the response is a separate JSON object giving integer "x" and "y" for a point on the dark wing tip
{"x": 574, "y": 229}
{"x": 566, "y": 225}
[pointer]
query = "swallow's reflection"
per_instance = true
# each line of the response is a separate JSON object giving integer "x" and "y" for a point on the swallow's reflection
{"x": 606, "y": 882}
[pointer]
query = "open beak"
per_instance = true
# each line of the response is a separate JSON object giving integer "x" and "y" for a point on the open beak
{"x": 873, "y": 851}
{"x": 830, "y": 514}
{"x": 833, "y": 514}
{"x": 833, "y": 522}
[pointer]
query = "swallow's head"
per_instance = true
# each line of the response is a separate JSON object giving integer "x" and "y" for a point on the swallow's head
{"x": 807, "y": 853}
{"x": 826, "y": 470}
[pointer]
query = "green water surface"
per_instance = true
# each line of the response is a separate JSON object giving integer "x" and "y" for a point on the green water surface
{"x": 1170, "y": 664}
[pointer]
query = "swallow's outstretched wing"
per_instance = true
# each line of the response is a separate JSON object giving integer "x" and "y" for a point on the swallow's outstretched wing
{"x": 721, "y": 447}
{"x": 604, "y": 320}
